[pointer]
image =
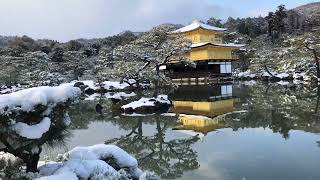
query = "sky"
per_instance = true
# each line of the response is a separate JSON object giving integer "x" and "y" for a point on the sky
{"x": 64, "y": 20}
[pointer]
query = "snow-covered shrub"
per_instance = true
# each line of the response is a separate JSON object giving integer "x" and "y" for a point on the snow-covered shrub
{"x": 92, "y": 163}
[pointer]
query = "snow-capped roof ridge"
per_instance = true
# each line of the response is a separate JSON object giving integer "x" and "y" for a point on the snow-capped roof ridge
{"x": 197, "y": 24}
{"x": 216, "y": 44}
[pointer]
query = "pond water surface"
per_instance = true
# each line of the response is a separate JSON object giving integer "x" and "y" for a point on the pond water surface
{"x": 213, "y": 132}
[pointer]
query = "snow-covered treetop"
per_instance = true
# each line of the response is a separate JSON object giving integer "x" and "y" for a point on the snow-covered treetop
{"x": 195, "y": 25}
{"x": 27, "y": 99}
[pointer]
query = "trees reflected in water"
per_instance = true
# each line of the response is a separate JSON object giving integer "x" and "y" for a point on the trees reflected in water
{"x": 278, "y": 108}
{"x": 167, "y": 158}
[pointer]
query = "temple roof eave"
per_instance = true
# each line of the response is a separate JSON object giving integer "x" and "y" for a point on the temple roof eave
{"x": 197, "y": 45}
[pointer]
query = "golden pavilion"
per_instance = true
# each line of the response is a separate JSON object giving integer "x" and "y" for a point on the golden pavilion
{"x": 211, "y": 56}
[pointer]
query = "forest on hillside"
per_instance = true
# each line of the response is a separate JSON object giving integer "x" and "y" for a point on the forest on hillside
{"x": 285, "y": 41}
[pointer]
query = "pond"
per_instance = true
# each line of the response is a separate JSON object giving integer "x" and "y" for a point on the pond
{"x": 239, "y": 131}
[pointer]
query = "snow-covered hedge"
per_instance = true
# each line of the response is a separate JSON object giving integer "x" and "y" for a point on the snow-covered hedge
{"x": 26, "y": 100}
{"x": 90, "y": 87}
{"x": 92, "y": 163}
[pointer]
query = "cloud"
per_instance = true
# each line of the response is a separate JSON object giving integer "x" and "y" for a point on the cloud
{"x": 70, "y": 19}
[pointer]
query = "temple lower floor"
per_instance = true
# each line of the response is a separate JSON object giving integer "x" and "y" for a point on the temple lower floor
{"x": 201, "y": 69}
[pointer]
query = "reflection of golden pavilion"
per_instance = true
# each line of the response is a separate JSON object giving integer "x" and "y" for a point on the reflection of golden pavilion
{"x": 203, "y": 115}
{"x": 201, "y": 124}
{"x": 210, "y": 109}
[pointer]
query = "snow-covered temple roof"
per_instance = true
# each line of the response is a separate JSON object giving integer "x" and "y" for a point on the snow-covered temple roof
{"x": 217, "y": 44}
{"x": 195, "y": 25}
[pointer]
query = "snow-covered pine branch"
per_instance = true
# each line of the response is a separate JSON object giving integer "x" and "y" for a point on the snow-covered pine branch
{"x": 151, "y": 50}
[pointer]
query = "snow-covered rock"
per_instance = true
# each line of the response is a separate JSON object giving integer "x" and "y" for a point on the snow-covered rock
{"x": 283, "y": 83}
{"x": 161, "y": 102}
{"x": 266, "y": 74}
{"x": 129, "y": 84}
{"x": 88, "y": 86}
{"x": 282, "y": 75}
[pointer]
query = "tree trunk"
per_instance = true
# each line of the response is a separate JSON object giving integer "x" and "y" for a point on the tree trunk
{"x": 157, "y": 82}
{"x": 267, "y": 70}
{"x": 140, "y": 131}
{"x": 160, "y": 138}
{"x": 316, "y": 59}
{"x": 317, "y": 63}
{"x": 32, "y": 163}
{"x": 318, "y": 100}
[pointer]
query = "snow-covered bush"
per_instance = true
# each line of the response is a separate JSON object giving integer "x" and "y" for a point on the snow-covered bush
{"x": 94, "y": 162}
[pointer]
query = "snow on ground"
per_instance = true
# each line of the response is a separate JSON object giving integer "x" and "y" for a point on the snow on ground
{"x": 265, "y": 74}
{"x": 27, "y": 99}
{"x": 144, "y": 102}
{"x": 32, "y": 131}
{"x": 246, "y": 74}
{"x": 89, "y": 163}
{"x": 110, "y": 95}
{"x": 114, "y": 85}
{"x": 92, "y": 97}
{"x": 68, "y": 175}
{"x": 119, "y": 95}
{"x": 91, "y": 84}
{"x": 282, "y": 75}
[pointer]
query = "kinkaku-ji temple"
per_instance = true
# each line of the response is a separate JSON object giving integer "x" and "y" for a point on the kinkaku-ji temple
{"x": 213, "y": 57}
